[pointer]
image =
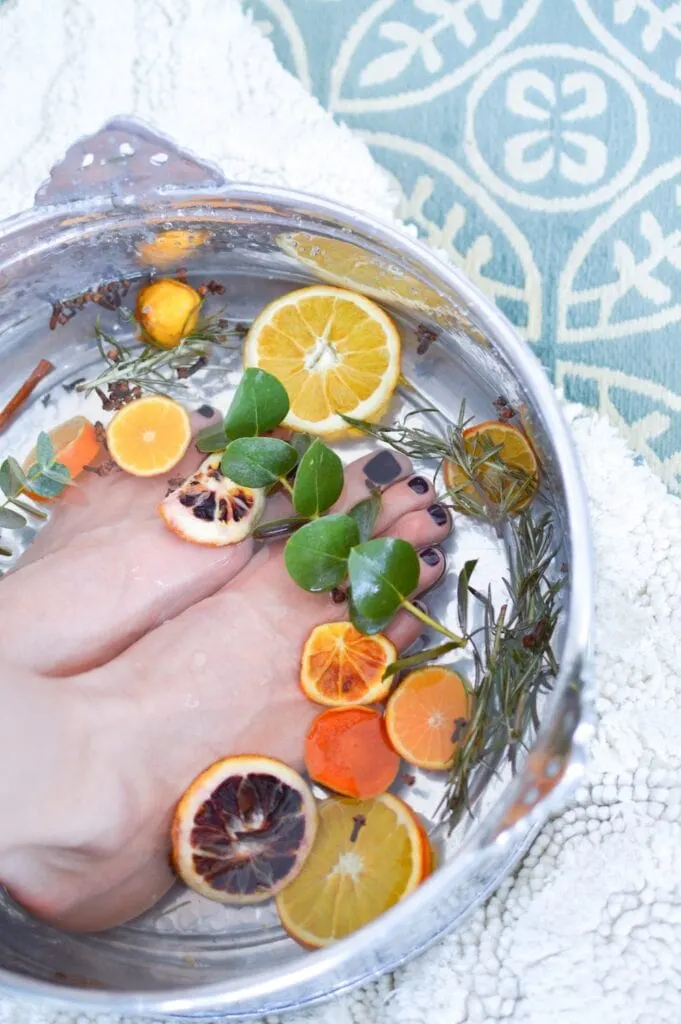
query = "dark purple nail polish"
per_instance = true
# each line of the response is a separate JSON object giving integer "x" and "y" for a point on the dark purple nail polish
{"x": 438, "y": 514}
{"x": 431, "y": 556}
{"x": 418, "y": 484}
{"x": 382, "y": 469}
{"x": 206, "y": 411}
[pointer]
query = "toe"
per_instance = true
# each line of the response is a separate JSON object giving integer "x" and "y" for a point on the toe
{"x": 405, "y": 628}
{"x": 423, "y": 528}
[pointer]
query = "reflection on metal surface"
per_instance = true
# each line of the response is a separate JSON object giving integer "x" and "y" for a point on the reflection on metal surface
{"x": 171, "y": 247}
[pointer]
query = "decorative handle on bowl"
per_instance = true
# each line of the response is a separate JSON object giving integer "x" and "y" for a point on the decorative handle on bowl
{"x": 124, "y": 157}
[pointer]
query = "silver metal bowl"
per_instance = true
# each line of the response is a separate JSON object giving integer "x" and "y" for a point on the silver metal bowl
{"x": 113, "y": 195}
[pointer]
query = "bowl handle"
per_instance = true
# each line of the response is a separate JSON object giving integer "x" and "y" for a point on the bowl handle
{"x": 124, "y": 157}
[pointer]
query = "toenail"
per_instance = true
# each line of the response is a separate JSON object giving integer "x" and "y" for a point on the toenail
{"x": 382, "y": 469}
{"x": 431, "y": 556}
{"x": 206, "y": 410}
{"x": 438, "y": 514}
{"x": 418, "y": 484}
{"x": 339, "y": 595}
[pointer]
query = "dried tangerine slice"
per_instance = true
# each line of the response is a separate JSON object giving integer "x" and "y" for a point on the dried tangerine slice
{"x": 334, "y": 351}
{"x": 243, "y": 829}
{"x": 427, "y": 716}
{"x": 149, "y": 436}
{"x": 516, "y": 453}
{"x": 347, "y": 750}
{"x": 342, "y": 666}
{"x": 210, "y": 509}
{"x": 75, "y": 445}
{"x": 367, "y": 856}
{"x": 168, "y": 311}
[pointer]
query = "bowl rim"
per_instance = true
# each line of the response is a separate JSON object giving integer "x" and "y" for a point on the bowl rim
{"x": 266, "y": 990}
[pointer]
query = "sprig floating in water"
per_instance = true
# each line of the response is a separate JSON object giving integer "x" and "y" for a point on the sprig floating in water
{"x": 514, "y": 660}
{"x": 46, "y": 478}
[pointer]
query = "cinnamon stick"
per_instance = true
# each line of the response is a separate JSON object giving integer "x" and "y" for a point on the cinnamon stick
{"x": 27, "y": 388}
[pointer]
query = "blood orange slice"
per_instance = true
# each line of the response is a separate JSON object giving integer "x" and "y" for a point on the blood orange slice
{"x": 243, "y": 829}
{"x": 342, "y": 666}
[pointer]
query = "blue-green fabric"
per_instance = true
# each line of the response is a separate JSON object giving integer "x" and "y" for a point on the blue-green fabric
{"x": 539, "y": 142}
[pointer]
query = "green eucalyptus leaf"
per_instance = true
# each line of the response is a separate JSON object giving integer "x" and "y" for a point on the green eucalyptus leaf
{"x": 49, "y": 483}
{"x": 365, "y": 513}
{"x": 316, "y": 555}
{"x": 319, "y": 480}
{"x": 12, "y": 478}
{"x": 10, "y": 520}
{"x": 301, "y": 442}
{"x": 258, "y": 461}
{"x": 212, "y": 439}
{"x": 462, "y": 591}
{"x": 259, "y": 404}
{"x": 420, "y": 658}
{"x": 44, "y": 450}
{"x": 383, "y": 573}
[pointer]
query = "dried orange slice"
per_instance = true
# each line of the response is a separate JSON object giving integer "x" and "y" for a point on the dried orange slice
{"x": 342, "y": 666}
{"x": 75, "y": 445}
{"x": 427, "y": 716}
{"x": 168, "y": 310}
{"x": 210, "y": 509}
{"x": 243, "y": 829}
{"x": 516, "y": 453}
{"x": 367, "y": 856}
{"x": 149, "y": 437}
{"x": 333, "y": 350}
{"x": 347, "y": 750}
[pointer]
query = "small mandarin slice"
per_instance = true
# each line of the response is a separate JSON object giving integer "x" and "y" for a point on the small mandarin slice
{"x": 347, "y": 750}
{"x": 243, "y": 829}
{"x": 516, "y": 453}
{"x": 75, "y": 445}
{"x": 149, "y": 436}
{"x": 368, "y": 855}
{"x": 342, "y": 666}
{"x": 427, "y": 715}
{"x": 335, "y": 352}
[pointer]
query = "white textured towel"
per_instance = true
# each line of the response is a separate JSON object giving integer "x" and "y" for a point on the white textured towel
{"x": 589, "y": 931}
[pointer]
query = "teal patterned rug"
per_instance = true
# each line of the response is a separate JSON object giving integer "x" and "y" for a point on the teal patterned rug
{"x": 539, "y": 143}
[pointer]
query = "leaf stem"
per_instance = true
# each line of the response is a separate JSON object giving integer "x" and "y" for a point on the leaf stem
{"x": 286, "y": 485}
{"x": 460, "y": 641}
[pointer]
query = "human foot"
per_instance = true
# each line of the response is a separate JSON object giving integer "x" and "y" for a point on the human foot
{"x": 220, "y": 678}
{"x": 103, "y": 572}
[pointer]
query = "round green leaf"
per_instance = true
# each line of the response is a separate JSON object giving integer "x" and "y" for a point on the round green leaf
{"x": 49, "y": 483}
{"x": 365, "y": 513}
{"x": 259, "y": 405}
{"x": 12, "y": 477}
{"x": 383, "y": 573}
{"x": 317, "y": 555}
{"x": 212, "y": 439}
{"x": 44, "y": 450}
{"x": 319, "y": 480}
{"x": 258, "y": 461}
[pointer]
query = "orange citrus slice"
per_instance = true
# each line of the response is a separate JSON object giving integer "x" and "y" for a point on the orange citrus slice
{"x": 342, "y": 666}
{"x": 333, "y": 350}
{"x": 149, "y": 437}
{"x": 243, "y": 829}
{"x": 515, "y": 491}
{"x": 367, "y": 856}
{"x": 427, "y": 716}
{"x": 349, "y": 266}
{"x": 169, "y": 247}
{"x": 347, "y": 750}
{"x": 75, "y": 445}
{"x": 168, "y": 311}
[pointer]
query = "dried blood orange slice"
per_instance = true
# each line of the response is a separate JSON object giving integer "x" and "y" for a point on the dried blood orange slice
{"x": 243, "y": 829}
{"x": 211, "y": 509}
{"x": 513, "y": 487}
{"x": 342, "y": 666}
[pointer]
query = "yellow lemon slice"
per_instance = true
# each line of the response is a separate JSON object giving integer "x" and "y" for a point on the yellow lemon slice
{"x": 334, "y": 351}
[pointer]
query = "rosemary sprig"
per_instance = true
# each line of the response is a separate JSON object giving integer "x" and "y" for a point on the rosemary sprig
{"x": 514, "y": 663}
{"x": 490, "y": 489}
